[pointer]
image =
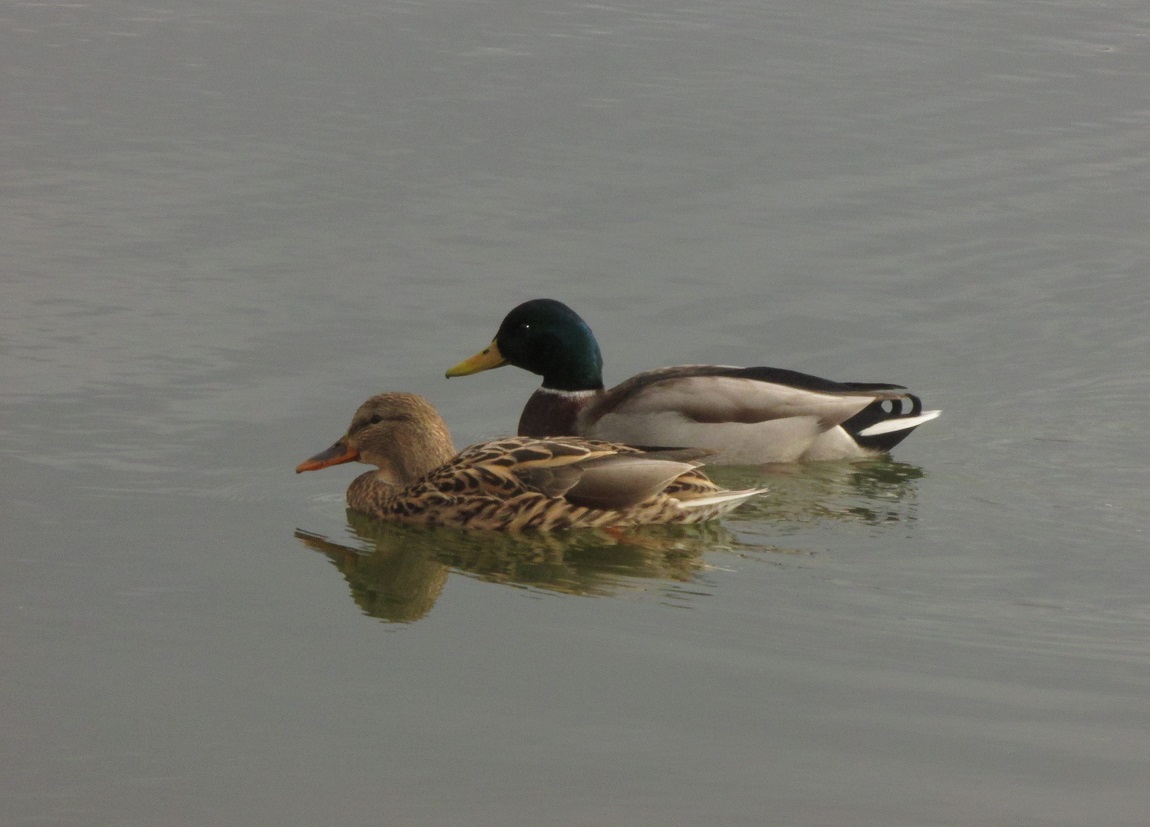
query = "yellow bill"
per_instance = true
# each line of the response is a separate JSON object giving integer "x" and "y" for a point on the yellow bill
{"x": 486, "y": 359}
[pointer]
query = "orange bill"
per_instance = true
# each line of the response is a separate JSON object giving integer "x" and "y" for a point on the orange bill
{"x": 338, "y": 453}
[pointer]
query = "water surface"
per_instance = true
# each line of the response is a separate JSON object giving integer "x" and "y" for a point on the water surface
{"x": 227, "y": 225}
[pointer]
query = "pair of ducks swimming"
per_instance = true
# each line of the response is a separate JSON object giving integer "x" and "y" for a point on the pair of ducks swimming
{"x": 587, "y": 456}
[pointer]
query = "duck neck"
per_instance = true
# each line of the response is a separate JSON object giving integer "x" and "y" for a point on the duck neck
{"x": 568, "y": 361}
{"x": 371, "y": 494}
{"x": 581, "y": 372}
{"x": 554, "y": 412}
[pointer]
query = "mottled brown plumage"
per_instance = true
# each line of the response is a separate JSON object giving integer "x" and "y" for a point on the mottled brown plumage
{"x": 515, "y": 483}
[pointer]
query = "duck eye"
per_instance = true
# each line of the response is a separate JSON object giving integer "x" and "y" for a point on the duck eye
{"x": 375, "y": 419}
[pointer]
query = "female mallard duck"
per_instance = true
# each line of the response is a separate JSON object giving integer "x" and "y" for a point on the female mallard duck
{"x": 741, "y": 415}
{"x": 514, "y": 483}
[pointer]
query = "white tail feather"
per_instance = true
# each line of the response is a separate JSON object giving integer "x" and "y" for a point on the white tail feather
{"x": 899, "y": 424}
{"x": 730, "y": 497}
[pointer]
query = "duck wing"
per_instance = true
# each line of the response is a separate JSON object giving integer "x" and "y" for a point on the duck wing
{"x": 712, "y": 394}
{"x": 591, "y": 473}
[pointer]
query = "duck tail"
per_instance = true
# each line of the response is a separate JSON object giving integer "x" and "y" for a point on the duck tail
{"x": 714, "y": 505}
{"x": 885, "y": 423}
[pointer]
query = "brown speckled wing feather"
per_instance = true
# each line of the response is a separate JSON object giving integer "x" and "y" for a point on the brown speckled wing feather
{"x": 514, "y": 483}
{"x": 521, "y": 483}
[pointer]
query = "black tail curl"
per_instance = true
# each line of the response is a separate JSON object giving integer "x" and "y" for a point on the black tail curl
{"x": 883, "y": 410}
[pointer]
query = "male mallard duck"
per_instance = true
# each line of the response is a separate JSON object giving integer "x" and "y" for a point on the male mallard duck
{"x": 514, "y": 483}
{"x": 742, "y": 415}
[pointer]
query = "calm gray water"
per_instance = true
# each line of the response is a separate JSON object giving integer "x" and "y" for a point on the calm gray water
{"x": 226, "y": 224}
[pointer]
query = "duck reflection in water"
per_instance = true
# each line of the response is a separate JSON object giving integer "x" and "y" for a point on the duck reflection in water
{"x": 874, "y": 493}
{"x": 398, "y": 572}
